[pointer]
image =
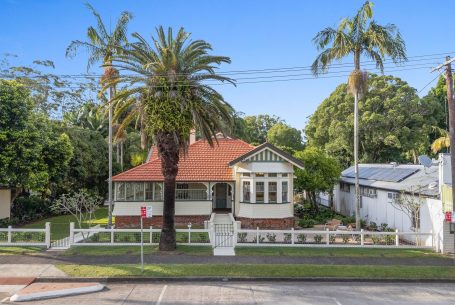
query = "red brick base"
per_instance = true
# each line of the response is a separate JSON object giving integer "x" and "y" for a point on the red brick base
{"x": 267, "y": 223}
{"x": 157, "y": 221}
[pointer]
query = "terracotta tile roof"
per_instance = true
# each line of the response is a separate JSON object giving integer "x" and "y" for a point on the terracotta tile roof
{"x": 202, "y": 163}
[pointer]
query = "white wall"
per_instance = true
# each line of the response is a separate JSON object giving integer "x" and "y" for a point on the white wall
{"x": 266, "y": 210}
{"x": 181, "y": 208}
{"x": 5, "y": 203}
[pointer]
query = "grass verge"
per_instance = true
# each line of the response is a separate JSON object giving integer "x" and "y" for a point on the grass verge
{"x": 135, "y": 250}
{"x": 270, "y": 271}
{"x": 20, "y": 250}
{"x": 335, "y": 252}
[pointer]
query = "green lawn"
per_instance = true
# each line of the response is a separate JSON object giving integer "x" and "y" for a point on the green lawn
{"x": 378, "y": 272}
{"x": 20, "y": 250}
{"x": 60, "y": 225}
{"x": 334, "y": 252}
{"x": 135, "y": 250}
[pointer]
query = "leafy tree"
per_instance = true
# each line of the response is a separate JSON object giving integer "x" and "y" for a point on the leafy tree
{"x": 255, "y": 128}
{"x": 171, "y": 77}
{"x": 285, "y": 137}
{"x": 396, "y": 123}
{"x": 320, "y": 174}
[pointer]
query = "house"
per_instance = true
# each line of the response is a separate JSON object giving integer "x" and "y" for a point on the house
{"x": 255, "y": 184}
{"x": 5, "y": 202}
{"x": 382, "y": 184}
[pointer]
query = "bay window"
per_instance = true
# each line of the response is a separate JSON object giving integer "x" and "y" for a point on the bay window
{"x": 259, "y": 191}
{"x": 284, "y": 191}
{"x": 272, "y": 191}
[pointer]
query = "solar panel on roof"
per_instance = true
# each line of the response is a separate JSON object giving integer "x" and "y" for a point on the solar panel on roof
{"x": 382, "y": 173}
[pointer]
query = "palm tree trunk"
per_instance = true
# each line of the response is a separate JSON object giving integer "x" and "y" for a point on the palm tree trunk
{"x": 168, "y": 149}
{"x": 110, "y": 159}
{"x": 356, "y": 160}
{"x": 143, "y": 134}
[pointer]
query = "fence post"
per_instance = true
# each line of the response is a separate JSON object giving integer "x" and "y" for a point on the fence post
{"x": 292, "y": 236}
{"x": 361, "y": 237}
{"x": 10, "y": 229}
{"x": 151, "y": 235}
{"x": 327, "y": 241}
{"x": 397, "y": 241}
{"x": 257, "y": 235}
{"x": 189, "y": 233}
{"x": 112, "y": 236}
{"x": 48, "y": 234}
{"x": 71, "y": 233}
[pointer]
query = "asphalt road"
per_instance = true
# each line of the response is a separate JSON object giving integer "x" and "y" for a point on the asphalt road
{"x": 242, "y": 293}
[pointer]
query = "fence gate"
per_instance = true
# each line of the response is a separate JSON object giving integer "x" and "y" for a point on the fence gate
{"x": 224, "y": 235}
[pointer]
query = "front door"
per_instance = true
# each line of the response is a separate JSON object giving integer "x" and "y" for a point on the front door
{"x": 221, "y": 196}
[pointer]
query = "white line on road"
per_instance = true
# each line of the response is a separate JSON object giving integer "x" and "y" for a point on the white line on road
{"x": 162, "y": 295}
{"x": 336, "y": 301}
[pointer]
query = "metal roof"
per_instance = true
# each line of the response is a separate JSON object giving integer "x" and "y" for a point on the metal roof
{"x": 396, "y": 178}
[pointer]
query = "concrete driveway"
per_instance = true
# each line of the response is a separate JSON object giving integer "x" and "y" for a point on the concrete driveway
{"x": 236, "y": 293}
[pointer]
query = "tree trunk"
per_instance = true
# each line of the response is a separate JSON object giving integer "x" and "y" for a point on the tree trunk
{"x": 356, "y": 161}
{"x": 168, "y": 148}
{"x": 143, "y": 134}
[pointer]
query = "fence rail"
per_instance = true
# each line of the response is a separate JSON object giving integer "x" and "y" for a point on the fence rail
{"x": 302, "y": 238}
{"x": 26, "y": 237}
{"x": 132, "y": 237}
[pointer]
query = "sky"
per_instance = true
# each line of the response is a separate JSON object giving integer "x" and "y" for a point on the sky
{"x": 255, "y": 34}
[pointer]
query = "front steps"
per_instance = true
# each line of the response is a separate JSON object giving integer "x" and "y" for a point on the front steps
{"x": 225, "y": 248}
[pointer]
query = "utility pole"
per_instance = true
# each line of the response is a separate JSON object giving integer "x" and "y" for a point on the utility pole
{"x": 451, "y": 105}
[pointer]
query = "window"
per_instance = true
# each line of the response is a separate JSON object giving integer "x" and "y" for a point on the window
{"x": 344, "y": 187}
{"x": 259, "y": 175}
{"x": 158, "y": 193}
{"x": 284, "y": 174}
{"x": 148, "y": 191}
{"x": 368, "y": 192}
{"x": 246, "y": 191}
{"x": 284, "y": 191}
{"x": 393, "y": 196}
{"x": 129, "y": 191}
{"x": 272, "y": 192}
{"x": 246, "y": 174}
{"x": 259, "y": 191}
{"x": 272, "y": 175}
{"x": 120, "y": 191}
{"x": 139, "y": 191}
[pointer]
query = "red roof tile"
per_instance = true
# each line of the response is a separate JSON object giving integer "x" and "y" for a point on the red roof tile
{"x": 202, "y": 163}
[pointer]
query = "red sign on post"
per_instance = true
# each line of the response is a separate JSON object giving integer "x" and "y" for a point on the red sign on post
{"x": 448, "y": 217}
{"x": 143, "y": 212}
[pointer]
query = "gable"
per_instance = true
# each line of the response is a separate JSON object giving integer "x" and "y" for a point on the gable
{"x": 265, "y": 156}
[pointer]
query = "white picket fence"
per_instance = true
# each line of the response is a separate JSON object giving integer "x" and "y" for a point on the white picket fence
{"x": 310, "y": 238}
{"x": 26, "y": 237}
{"x": 132, "y": 237}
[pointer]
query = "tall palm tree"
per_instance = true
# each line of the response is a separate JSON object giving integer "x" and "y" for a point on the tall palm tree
{"x": 173, "y": 78}
{"x": 358, "y": 36}
{"x": 101, "y": 46}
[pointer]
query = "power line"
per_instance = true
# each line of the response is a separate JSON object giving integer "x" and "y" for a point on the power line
{"x": 437, "y": 76}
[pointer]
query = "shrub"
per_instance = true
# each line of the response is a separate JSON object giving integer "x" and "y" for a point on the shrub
{"x": 203, "y": 238}
{"x": 306, "y": 223}
{"x": 373, "y": 226}
{"x": 318, "y": 238}
{"x": 301, "y": 238}
{"x": 345, "y": 238}
{"x": 389, "y": 239}
{"x": 299, "y": 210}
{"x": 332, "y": 239}
{"x": 242, "y": 237}
{"x": 376, "y": 240}
{"x": 347, "y": 220}
{"x": 287, "y": 238}
{"x": 383, "y": 226}
{"x": 26, "y": 209}
{"x": 261, "y": 239}
{"x": 271, "y": 237}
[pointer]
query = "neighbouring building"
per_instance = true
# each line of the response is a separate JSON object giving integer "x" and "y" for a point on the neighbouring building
{"x": 382, "y": 184}
{"x": 255, "y": 184}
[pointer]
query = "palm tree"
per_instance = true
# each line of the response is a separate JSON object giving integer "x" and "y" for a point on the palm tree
{"x": 172, "y": 78}
{"x": 101, "y": 47}
{"x": 442, "y": 142}
{"x": 358, "y": 36}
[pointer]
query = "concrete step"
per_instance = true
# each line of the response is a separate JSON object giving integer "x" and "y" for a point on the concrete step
{"x": 224, "y": 251}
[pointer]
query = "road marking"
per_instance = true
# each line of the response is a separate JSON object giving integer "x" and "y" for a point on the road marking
{"x": 162, "y": 295}
{"x": 336, "y": 301}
